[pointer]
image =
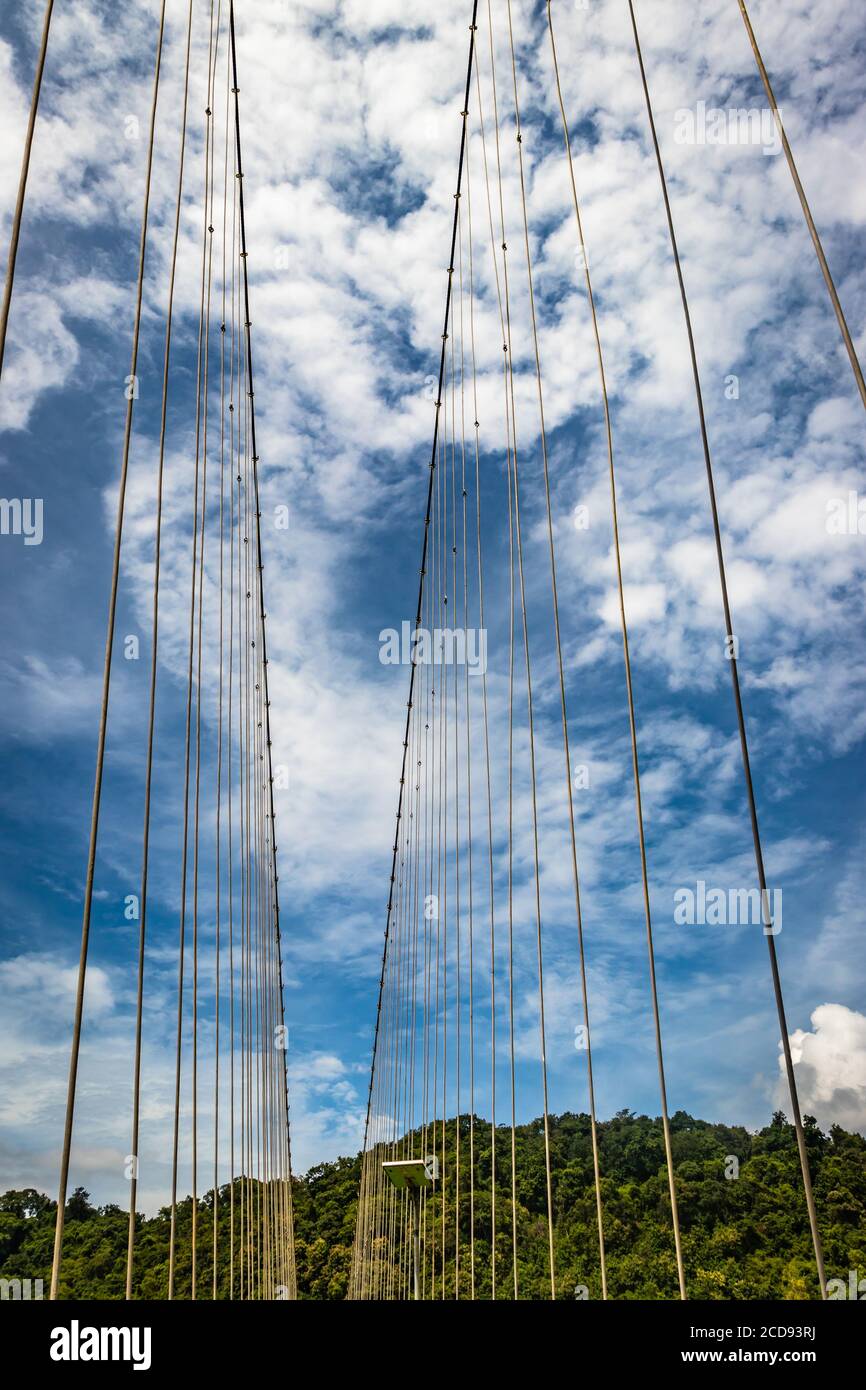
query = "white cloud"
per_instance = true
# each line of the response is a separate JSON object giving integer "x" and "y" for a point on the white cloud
{"x": 831, "y": 416}
{"x": 830, "y": 1067}
{"x": 44, "y": 362}
{"x": 645, "y": 603}
{"x": 37, "y": 977}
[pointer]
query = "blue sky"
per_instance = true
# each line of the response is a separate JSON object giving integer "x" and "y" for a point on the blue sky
{"x": 351, "y": 124}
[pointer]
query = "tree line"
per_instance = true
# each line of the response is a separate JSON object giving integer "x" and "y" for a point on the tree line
{"x": 742, "y": 1215}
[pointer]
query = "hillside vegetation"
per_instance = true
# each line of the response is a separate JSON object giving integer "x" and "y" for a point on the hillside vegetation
{"x": 744, "y": 1237}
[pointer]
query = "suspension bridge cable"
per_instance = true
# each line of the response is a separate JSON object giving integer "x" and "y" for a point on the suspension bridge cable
{"x": 560, "y": 670}
{"x": 233, "y": 378}
{"x": 192, "y": 685}
{"x": 468, "y": 724}
{"x": 267, "y": 753}
{"x": 741, "y": 722}
{"x": 219, "y": 773}
{"x": 807, "y": 213}
{"x": 444, "y": 622}
{"x": 267, "y": 1210}
{"x": 518, "y": 544}
{"x": 187, "y": 765}
{"x": 145, "y": 864}
{"x": 22, "y": 183}
{"x": 609, "y": 437}
{"x": 510, "y": 451}
{"x": 645, "y": 885}
{"x": 457, "y": 922}
{"x": 510, "y": 994}
{"x": 424, "y": 555}
{"x": 106, "y": 689}
{"x": 243, "y": 829}
{"x": 486, "y": 725}
{"x": 210, "y": 152}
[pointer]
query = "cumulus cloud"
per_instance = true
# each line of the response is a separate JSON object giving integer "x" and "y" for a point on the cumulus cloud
{"x": 830, "y": 1066}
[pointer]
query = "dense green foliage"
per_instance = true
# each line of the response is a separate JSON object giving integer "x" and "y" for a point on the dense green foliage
{"x": 743, "y": 1238}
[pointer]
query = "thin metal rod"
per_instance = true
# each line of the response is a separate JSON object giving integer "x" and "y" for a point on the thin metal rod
{"x": 807, "y": 213}
{"x": 145, "y": 855}
{"x": 22, "y": 183}
{"x": 266, "y": 702}
{"x": 424, "y": 546}
{"x": 735, "y": 681}
{"x": 106, "y": 688}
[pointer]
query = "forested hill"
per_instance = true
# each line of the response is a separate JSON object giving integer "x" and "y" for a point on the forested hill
{"x": 744, "y": 1236}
